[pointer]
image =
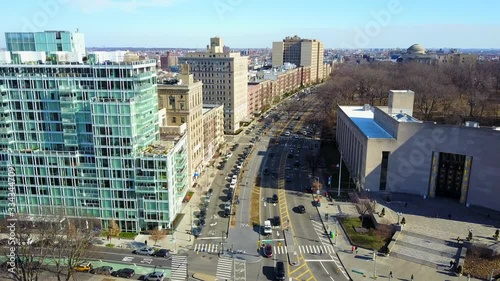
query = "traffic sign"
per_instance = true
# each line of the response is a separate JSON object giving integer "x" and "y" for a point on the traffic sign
{"x": 267, "y": 241}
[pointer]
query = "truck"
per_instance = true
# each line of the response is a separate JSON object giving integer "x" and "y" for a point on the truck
{"x": 267, "y": 227}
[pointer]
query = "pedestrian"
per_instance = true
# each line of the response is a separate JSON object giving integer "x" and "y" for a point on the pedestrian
{"x": 390, "y": 274}
{"x": 146, "y": 242}
{"x": 356, "y": 250}
{"x": 411, "y": 277}
{"x": 352, "y": 249}
{"x": 451, "y": 264}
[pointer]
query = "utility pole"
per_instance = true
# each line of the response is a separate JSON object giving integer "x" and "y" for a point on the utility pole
{"x": 374, "y": 265}
{"x": 340, "y": 173}
{"x": 191, "y": 227}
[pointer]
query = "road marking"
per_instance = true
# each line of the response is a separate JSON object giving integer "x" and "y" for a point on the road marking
{"x": 128, "y": 259}
{"x": 148, "y": 261}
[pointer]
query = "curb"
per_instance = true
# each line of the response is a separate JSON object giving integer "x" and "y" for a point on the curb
{"x": 331, "y": 243}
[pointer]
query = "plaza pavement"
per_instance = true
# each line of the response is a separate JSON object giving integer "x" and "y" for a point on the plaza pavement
{"x": 425, "y": 216}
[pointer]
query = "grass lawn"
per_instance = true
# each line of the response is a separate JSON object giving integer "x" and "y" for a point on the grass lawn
{"x": 480, "y": 267}
{"x": 255, "y": 205}
{"x": 374, "y": 239}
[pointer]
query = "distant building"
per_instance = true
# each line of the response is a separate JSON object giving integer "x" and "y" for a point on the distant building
{"x": 182, "y": 100}
{"x": 47, "y": 41}
{"x": 301, "y": 52}
{"x": 224, "y": 77}
{"x": 213, "y": 130}
{"x": 168, "y": 61}
{"x": 386, "y": 149}
{"x": 417, "y": 53}
{"x": 454, "y": 57}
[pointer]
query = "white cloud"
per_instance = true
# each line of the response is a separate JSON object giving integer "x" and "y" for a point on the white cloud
{"x": 129, "y": 6}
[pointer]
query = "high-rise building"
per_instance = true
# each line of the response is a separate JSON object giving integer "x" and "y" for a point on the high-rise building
{"x": 301, "y": 52}
{"x": 80, "y": 138}
{"x": 47, "y": 41}
{"x": 168, "y": 61}
{"x": 183, "y": 103}
{"x": 224, "y": 77}
{"x": 213, "y": 130}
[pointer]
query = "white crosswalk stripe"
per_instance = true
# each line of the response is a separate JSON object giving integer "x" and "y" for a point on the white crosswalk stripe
{"x": 209, "y": 248}
{"x": 224, "y": 269}
{"x": 306, "y": 249}
{"x": 179, "y": 268}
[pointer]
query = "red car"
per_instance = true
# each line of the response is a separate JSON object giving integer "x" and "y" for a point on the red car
{"x": 268, "y": 250}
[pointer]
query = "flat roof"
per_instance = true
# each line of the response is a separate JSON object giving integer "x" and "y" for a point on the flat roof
{"x": 364, "y": 120}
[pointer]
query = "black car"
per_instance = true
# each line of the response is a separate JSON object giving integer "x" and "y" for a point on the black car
{"x": 280, "y": 270}
{"x": 274, "y": 199}
{"x": 103, "y": 270}
{"x": 163, "y": 253}
{"x": 277, "y": 221}
{"x": 227, "y": 212}
{"x": 271, "y": 154}
{"x": 230, "y": 194}
{"x": 297, "y": 163}
{"x": 266, "y": 171}
{"x": 301, "y": 209}
{"x": 290, "y": 155}
{"x": 124, "y": 273}
{"x": 288, "y": 179}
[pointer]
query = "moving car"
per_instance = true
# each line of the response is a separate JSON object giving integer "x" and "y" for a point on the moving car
{"x": 274, "y": 199}
{"x": 124, "y": 273}
{"x": 288, "y": 179}
{"x": 287, "y": 133}
{"x": 147, "y": 251}
{"x": 268, "y": 250}
{"x": 155, "y": 276}
{"x": 83, "y": 267}
{"x": 277, "y": 221}
{"x": 280, "y": 270}
{"x": 163, "y": 253}
{"x": 301, "y": 209}
{"x": 267, "y": 227}
{"x": 103, "y": 270}
{"x": 266, "y": 171}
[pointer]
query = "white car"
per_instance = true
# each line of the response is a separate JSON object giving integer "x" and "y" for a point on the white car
{"x": 287, "y": 133}
{"x": 229, "y": 155}
{"x": 232, "y": 186}
{"x": 155, "y": 276}
{"x": 144, "y": 251}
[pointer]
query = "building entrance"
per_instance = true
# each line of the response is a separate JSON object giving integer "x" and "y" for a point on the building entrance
{"x": 450, "y": 175}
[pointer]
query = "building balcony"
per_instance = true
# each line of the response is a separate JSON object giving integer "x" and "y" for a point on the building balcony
{"x": 145, "y": 178}
{"x": 143, "y": 75}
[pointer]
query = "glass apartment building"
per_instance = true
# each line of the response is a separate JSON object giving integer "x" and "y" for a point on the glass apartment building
{"x": 83, "y": 140}
{"x": 47, "y": 41}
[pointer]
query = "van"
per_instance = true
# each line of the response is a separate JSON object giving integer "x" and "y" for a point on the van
{"x": 280, "y": 270}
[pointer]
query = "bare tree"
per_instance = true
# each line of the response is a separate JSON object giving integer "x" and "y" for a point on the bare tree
{"x": 114, "y": 229}
{"x": 364, "y": 208}
{"x": 313, "y": 161}
{"x": 158, "y": 234}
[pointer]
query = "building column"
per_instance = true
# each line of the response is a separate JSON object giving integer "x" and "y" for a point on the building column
{"x": 434, "y": 173}
{"x": 465, "y": 180}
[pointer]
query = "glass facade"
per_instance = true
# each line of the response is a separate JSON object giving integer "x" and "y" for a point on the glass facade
{"x": 48, "y": 41}
{"x": 83, "y": 141}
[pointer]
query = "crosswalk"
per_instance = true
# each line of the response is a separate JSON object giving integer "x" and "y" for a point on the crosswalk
{"x": 208, "y": 248}
{"x": 179, "y": 268}
{"x": 224, "y": 269}
{"x": 304, "y": 249}
{"x": 320, "y": 231}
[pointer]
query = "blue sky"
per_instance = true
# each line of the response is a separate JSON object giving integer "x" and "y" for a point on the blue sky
{"x": 257, "y": 23}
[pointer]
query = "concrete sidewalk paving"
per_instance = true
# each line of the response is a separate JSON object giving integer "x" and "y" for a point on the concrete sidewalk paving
{"x": 361, "y": 265}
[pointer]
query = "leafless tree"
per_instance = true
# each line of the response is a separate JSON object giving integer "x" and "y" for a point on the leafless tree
{"x": 313, "y": 161}
{"x": 158, "y": 234}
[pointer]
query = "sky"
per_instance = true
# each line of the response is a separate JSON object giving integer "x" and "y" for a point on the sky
{"x": 258, "y": 23}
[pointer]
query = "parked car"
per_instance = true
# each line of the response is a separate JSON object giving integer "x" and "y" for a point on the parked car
{"x": 154, "y": 276}
{"x": 102, "y": 270}
{"x": 83, "y": 267}
{"x": 124, "y": 273}
{"x": 280, "y": 270}
{"x": 288, "y": 179}
{"x": 277, "y": 221}
{"x": 266, "y": 171}
{"x": 268, "y": 250}
{"x": 301, "y": 209}
{"x": 147, "y": 251}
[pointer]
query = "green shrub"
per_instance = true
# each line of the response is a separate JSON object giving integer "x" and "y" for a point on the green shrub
{"x": 128, "y": 235}
{"x": 110, "y": 245}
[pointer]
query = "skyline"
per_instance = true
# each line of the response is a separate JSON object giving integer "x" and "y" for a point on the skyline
{"x": 256, "y": 24}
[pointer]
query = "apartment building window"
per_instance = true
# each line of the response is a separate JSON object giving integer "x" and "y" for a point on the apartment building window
{"x": 174, "y": 120}
{"x": 183, "y": 120}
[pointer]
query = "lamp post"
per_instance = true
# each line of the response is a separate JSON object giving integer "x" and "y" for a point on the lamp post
{"x": 191, "y": 227}
{"x": 374, "y": 265}
{"x": 340, "y": 173}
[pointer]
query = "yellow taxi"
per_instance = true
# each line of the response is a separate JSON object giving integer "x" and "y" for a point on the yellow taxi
{"x": 83, "y": 267}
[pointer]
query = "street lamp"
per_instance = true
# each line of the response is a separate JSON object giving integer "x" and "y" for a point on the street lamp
{"x": 374, "y": 265}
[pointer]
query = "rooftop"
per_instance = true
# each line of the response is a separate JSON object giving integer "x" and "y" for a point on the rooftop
{"x": 161, "y": 148}
{"x": 364, "y": 120}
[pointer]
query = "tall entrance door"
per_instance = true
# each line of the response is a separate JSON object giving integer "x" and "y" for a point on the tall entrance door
{"x": 450, "y": 175}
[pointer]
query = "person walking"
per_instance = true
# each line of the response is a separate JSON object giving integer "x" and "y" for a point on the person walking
{"x": 390, "y": 275}
{"x": 411, "y": 277}
{"x": 352, "y": 249}
{"x": 356, "y": 250}
{"x": 451, "y": 264}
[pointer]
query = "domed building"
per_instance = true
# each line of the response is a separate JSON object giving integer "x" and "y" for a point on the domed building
{"x": 417, "y": 53}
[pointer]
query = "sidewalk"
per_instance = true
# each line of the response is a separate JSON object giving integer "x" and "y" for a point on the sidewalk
{"x": 361, "y": 266}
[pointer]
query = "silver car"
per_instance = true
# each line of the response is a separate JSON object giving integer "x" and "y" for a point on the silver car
{"x": 144, "y": 251}
{"x": 155, "y": 276}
